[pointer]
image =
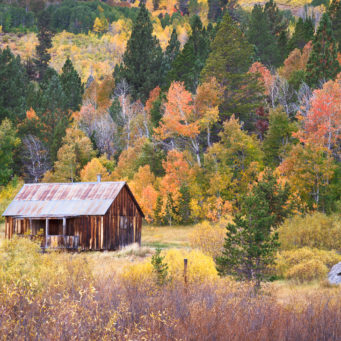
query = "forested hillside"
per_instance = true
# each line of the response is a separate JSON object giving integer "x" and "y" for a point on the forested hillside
{"x": 191, "y": 102}
{"x": 224, "y": 118}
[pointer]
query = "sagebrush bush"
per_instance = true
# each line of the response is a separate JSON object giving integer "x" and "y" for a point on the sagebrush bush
{"x": 209, "y": 237}
{"x": 316, "y": 230}
{"x": 305, "y": 264}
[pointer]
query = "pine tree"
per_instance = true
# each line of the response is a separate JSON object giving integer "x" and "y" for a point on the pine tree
{"x": 160, "y": 267}
{"x": 72, "y": 86}
{"x": 142, "y": 59}
{"x": 278, "y": 137}
{"x": 279, "y": 27}
{"x": 335, "y": 16}
{"x": 278, "y": 22}
{"x": 304, "y": 32}
{"x": 251, "y": 240}
{"x": 229, "y": 62}
{"x": 13, "y": 86}
{"x": 191, "y": 60}
{"x": 323, "y": 64}
{"x": 259, "y": 34}
{"x": 45, "y": 42}
{"x": 171, "y": 52}
{"x": 214, "y": 10}
{"x": 184, "y": 205}
{"x": 53, "y": 113}
{"x": 8, "y": 144}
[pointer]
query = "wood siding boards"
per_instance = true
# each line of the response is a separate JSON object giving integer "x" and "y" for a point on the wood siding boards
{"x": 119, "y": 226}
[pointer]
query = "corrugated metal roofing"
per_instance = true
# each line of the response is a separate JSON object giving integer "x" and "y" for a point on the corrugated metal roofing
{"x": 64, "y": 199}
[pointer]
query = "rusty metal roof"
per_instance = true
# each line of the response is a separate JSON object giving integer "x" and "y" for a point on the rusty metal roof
{"x": 64, "y": 199}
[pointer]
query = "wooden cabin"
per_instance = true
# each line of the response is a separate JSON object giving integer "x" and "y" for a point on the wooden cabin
{"x": 86, "y": 216}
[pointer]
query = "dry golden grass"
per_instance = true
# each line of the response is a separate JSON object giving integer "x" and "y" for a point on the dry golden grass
{"x": 166, "y": 236}
{"x": 2, "y": 230}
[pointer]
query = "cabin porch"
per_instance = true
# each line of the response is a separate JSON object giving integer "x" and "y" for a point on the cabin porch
{"x": 53, "y": 232}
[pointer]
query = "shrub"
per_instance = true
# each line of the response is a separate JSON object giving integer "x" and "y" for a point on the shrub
{"x": 209, "y": 237}
{"x": 316, "y": 230}
{"x": 201, "y": 267}
{"x": 7, "y": 194}
{"x": 307, "y": 271}
{"x": 305, "y": 264}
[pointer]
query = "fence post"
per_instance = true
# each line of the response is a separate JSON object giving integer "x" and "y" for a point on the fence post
{"x": 185, "y": 270}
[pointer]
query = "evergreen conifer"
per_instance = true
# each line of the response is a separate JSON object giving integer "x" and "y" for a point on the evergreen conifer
{"x": 323, "y": 63}
{"x": 142, "y": 59}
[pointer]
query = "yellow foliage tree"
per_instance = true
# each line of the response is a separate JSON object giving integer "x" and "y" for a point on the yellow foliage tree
{"x": 74, "y": 154}
{"x": 101, "y": 25}
{"x": 91, "y": 170}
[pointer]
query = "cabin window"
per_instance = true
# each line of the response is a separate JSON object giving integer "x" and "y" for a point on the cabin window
{"x": 55, "y": 227}
{"x": 123, "y": 223}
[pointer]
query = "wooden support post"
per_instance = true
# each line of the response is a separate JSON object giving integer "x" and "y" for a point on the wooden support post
{"x": 102, "y": 233}
{"x": 31, "y": 229}
{"x": 46, "y": 231}
{"x": 185, "y": 270}
{"x": 64, "y": 226}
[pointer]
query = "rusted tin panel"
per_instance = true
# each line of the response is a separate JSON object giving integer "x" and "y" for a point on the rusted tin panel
{"x": 70, "y": 199}
{"x": 70, "y": 191}
{"x": 57, "y": 208}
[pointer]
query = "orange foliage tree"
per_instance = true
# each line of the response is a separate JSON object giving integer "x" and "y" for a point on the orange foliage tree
{"x": 266, "y": 78}
{"x": 178, "y": 174}
{"x": 143, "y": 188}
{"x": 322, "y": 125}
{"x": 179, "y": 122}
{"x": 296, "y": 60}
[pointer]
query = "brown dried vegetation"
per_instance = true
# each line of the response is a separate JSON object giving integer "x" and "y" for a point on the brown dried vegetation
{"x": 59, "y": 297}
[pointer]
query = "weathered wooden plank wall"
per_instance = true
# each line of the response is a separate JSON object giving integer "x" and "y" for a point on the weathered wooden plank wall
{"x": 121, "y": 225}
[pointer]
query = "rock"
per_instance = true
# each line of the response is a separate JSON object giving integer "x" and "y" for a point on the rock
{"x": 334, "y": 276}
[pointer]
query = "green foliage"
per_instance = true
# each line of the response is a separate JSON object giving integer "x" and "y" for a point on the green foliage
{"x": 142, "y": 59}
{"x": 323, "y": 64}
{"x": 13, "y": 86}
{"x": 278, "y": 136}
{"x": 45, "y": 43}
{"x": 160, "y": 268}
{"x": 191, "y": 60}
{"x": 260, "y": 35}
{"x": 14, "y": 18}
{"x": 315, "y": 230}
{"x": 171, "y": 52}
{"x": 335, "y": 17}
{"x": 53, "y": 113}
{"x": 184, "y": 205}
{"x": 304, "y": 32}
{"x": 228, "y": 62}
{"x": 214, "y": 10}
{"x": 9, "y": 142}
{"x": 72, "y": 86}
{"x": 251, "y": 242}
{"x": 151, "y": 155}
